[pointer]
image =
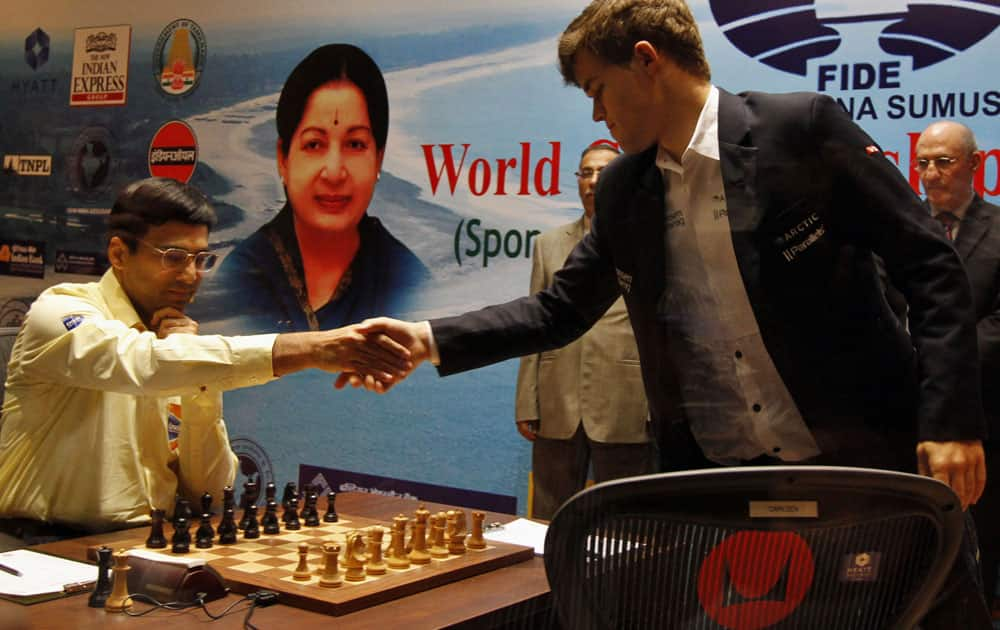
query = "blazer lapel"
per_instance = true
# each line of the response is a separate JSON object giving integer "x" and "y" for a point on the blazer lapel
{"x": 973, "y": 229}
{"x": 738, "y": 159}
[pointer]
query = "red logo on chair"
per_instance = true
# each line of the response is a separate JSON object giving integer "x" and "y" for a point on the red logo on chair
{"x": 754, "y": 579}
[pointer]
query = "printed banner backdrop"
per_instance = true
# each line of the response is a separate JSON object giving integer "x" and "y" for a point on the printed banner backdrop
{"x": 483, "y": 141}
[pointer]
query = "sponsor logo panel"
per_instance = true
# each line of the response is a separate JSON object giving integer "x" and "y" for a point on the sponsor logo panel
{"x": 173, "y": 152}
{"x": 22, "y": 258}
{"x": 100, "y": 65}
{"x": 32, "y": 165}
{"x": 92, "y": 160}
{"x": 179, "y": 57}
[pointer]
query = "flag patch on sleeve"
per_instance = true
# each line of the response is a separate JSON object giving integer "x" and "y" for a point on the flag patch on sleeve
{"x": 72, "y": 321}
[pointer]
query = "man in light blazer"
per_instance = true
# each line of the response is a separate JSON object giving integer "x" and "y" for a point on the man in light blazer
{"x": 947, "y": 159}
{"x": 583, "y": 404}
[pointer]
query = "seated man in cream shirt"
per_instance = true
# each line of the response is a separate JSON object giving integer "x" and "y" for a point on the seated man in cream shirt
{"x": 113, "y": 402}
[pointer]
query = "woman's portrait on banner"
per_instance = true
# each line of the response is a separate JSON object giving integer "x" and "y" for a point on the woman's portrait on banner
{"x": 323, "y": 261}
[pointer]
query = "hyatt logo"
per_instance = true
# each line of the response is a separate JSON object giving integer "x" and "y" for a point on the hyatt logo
{"x": 28, "y": 164}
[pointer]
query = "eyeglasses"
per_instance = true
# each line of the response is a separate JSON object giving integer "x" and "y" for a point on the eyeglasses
{"x": 940, "y": 163}
{"x": 175, "y": 258}
{"x": 587, "y": 173}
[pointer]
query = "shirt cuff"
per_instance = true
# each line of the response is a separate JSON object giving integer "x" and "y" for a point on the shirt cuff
{"x": 432, "y": 345}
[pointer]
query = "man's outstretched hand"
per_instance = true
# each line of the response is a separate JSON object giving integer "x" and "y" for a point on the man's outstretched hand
{"x": 413, "y": 336}
{"x": 375, "y": 360}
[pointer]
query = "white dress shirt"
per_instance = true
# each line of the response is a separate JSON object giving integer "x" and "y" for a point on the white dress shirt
{"x": 732, "y": 395}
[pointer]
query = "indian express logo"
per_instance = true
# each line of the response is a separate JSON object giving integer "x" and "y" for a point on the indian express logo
{"x": 787, "y": 34}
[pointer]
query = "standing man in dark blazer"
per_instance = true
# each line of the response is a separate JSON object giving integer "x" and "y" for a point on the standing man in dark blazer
{"x": 582, "y": 405}
{"x": 741, "y": 231}
{"x": 947, "y": 159}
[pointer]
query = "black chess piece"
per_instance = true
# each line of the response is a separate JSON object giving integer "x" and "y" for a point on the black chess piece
{"x": 182, "y": 508}
{"x": 312, "y": 514}
{"x": 269, "y": 522}
{"x": 156, "y": 538}
{"x": 252, "y": 530}
{"x": 206, "y": 503}
{"x": 227, "y": 527}
{"x": 270, "y": 491}
{"x": 228, "y": 498}
{"x": 290, "y": 491}
{"x": 251, "y": 492}
{"x": 291, "y": 514}
{"x": 181, "y": 540}
{"x": 331, "y": 508}
{"x": 103, "y": 587}
{"x": 203, "y": 537}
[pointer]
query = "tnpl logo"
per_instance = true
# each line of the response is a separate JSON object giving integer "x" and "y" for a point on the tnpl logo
{"x": 754, "y": 579}
{"x": 786, "y": 34}
{"x": 28, "y": 164}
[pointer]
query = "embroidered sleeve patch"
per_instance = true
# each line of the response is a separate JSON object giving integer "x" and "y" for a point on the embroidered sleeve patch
{"x": 72, "y": 321}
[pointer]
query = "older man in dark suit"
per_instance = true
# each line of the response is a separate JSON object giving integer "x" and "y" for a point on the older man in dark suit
{"x": 741, "y": 231}
{"x": 947, "y": 159}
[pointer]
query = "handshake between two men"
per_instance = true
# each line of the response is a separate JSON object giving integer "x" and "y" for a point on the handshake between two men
{"x": 375, "y": 354}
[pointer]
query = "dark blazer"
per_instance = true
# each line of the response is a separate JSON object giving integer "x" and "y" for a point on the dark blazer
{"x": 978, "y": 243}
{"x": 810, "y": 198}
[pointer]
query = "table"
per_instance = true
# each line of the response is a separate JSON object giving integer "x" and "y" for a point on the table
{"x": 516, "y": 596}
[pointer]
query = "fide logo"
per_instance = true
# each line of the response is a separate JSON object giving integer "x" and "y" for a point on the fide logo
{"x": 754, "y": 579}
{"x": 179, "y": 57}
{"x": 787, "y": 34}
{"x": 36, "y": 49}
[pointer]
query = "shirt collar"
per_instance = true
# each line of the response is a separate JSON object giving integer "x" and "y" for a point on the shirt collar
{"x": 958, "y": 212}
{"x": 704, "y": 141}
{"x": 118, "y": 302}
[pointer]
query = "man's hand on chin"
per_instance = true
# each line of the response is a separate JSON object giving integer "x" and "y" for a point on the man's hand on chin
{"x": 169, "y": 320}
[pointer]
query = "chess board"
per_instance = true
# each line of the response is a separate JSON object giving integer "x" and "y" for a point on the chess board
{"x": 269, "y": 561}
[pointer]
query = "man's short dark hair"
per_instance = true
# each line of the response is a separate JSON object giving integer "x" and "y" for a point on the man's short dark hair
{"x": 333, "y": 62}
{"x": 155, "y": 201}
{"x": 609, "y": 29}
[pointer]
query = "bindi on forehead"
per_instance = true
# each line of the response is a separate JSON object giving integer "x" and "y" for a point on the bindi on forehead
{"x": 336, "y": 118}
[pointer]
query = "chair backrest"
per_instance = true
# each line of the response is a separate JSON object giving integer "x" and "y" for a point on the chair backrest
{"x": 7, "y": 336}
{"x": 747, "y": 548}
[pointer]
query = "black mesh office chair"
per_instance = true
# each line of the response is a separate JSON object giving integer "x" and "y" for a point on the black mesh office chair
{"x": 790, "y": 547}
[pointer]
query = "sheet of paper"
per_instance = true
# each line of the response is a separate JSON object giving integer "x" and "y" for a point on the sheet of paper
{"x": 41, "y": 573}
{"x": 520, "y": 532}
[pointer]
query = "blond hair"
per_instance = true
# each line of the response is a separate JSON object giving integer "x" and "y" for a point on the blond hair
{"x": 610, "y": 28}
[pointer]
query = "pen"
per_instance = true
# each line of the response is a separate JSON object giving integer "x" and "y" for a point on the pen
{"x": 11, "y": 570}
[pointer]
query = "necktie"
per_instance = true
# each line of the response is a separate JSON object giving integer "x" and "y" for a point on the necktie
{"x": 948, "y": 220}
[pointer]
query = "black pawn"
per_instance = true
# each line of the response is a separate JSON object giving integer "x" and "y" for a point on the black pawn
{"x": 156, "y": 538}
{"x": 228, "y": 498}
{"x": 312, "y": 514}
{"x": 203, "y": 537}
{"x": 206, "y": 504}
{"x": 103, "y": 587}
{"x": 252, "y": 530}
{"x": 291, "y": 514}
{"x": 181, "y": 541}
{"x": 227, "y": 528}
{"x": 269, "y": 522}
{"x": 331, "y": 508}
{"x": 270, "y": 492}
